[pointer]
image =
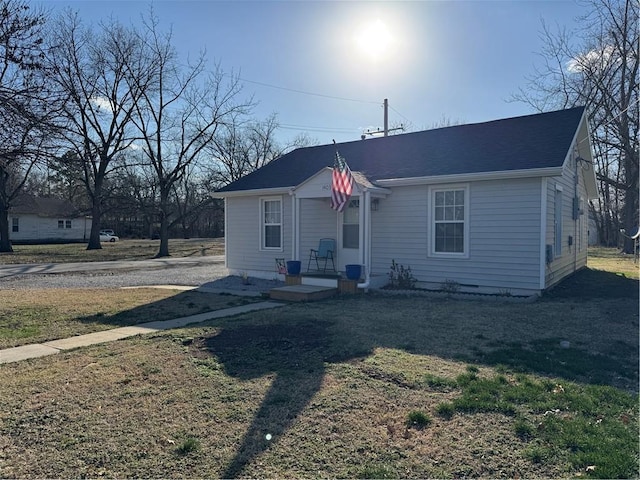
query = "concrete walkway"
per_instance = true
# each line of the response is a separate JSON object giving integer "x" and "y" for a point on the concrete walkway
{"x": 25, "y": 352}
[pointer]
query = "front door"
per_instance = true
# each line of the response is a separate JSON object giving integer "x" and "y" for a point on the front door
{"x": 349, "y": 235}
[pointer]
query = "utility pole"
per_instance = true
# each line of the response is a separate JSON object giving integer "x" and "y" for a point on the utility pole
{"x": 385, "y": 131}
{"x": 386, "y": 116}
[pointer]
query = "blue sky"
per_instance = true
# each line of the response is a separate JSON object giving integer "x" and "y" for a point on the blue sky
{"x": 459, "y": 60}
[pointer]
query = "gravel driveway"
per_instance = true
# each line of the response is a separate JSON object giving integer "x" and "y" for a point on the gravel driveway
{"x": 212, "y": 276}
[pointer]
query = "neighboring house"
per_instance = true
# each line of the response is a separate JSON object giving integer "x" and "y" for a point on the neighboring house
{"x": 495, "y": 207}
{"x": 40, "y": 219}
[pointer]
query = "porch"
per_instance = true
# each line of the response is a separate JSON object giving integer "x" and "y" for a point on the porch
{"x": 308, "y": 287}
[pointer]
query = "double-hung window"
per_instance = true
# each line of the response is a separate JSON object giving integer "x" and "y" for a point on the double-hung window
{"x": 449, "y": 221}
{"x": 271, "y": 220}
{"x": 15, "y": 224}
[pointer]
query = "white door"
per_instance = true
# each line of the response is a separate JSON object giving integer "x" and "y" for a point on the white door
{"x": 349, "y": 235}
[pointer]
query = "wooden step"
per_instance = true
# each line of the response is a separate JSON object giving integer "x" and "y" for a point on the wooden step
{"x": 302, "y": 293}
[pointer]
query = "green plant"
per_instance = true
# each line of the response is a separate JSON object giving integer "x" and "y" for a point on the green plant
{"x": 536, "y": 454}
{"x": 377, "y": 471}
{"x": 190, "y": 445}
{"x": 450, "y": 286}
{"x": 439, "y": 383}
{"x": 401, "y": 277}
{"x": 445, "y": 410}
{"x": 418, "y": 419}
{"x": 523, "y": 429}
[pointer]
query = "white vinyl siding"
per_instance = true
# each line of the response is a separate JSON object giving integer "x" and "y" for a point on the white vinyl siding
{"x": 29, "y": 227}
{"x": 571, "y": 257}
{"x": 271, "y": 227}
{"x": 243, "y": 236}
{"x": 557, "y": 222}
{"x": 317, "y": 220}
{"x": 503, "y": 222}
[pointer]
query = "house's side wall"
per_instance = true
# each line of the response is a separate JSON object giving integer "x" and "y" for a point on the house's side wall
{"x": 34, "y": 228}
{"x": 242, "y": 236}
{"x": 572, "y": 257}
{"x": 504, "y": 237}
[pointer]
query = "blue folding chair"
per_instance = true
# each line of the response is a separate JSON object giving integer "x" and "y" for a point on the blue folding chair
{"x": 324, "y": 253}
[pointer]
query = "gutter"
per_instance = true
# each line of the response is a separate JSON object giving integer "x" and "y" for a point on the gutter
{"x": 468, "y": 177}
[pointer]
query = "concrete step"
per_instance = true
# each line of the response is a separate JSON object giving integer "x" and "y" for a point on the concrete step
{"x": 302, "y": 293}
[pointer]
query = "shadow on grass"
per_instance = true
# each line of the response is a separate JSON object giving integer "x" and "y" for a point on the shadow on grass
{"x": 296, "y": 344}
{"x": 590, "y": 283}
{"x": 180, "y": 305}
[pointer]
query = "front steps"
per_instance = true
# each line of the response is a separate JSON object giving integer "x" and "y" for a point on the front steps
{"x": 309, "y": 287}
{"x": 302, "y": 293}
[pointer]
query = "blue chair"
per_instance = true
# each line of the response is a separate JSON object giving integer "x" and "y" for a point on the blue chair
{"x": 324, "y": 253}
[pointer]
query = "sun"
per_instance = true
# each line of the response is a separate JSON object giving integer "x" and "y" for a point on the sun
{"x": 374, "y": 40}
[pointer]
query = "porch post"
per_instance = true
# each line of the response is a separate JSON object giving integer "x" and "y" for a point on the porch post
{"x": 365, "y": 247}
{"x": 296, "y": 228}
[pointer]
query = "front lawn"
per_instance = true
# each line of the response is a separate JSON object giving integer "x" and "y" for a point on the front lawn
{"x": 353, "y": 387}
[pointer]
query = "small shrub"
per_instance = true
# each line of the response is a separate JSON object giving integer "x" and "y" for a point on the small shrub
{"x": 401, "y": 277}
{"x": 418, "y": 419}
{"x": 188, "y": 446}
{"x": 445, "y": 410}
{"x": 450, "y": 286}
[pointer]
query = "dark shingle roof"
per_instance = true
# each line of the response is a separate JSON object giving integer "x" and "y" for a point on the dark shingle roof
{"x": 519, "y": 143}
{"x": 44, "y": 207}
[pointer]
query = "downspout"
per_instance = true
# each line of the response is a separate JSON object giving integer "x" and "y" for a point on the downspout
{"x": 294, "y": 224}
{"x": 575, "y": 212}
{"x": 366, "y": 244}
{"x": 226, "y": 232}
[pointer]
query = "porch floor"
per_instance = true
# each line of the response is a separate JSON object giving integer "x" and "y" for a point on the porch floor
{"x": 302, "y": 293}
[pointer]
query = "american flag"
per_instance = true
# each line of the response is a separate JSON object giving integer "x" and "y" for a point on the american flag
{"x": 341, "y": 183}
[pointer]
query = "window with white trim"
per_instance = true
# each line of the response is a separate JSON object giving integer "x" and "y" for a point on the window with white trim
{"x": 15, "y": 224}
{"x": 60, "y": 223}
{"x": 449, "y": 221}
{"x": 271, "y": 220}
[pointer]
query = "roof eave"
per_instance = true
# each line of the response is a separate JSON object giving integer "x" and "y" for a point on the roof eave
{"x": 469, "y": 177}
{"x": 254, "y": 192}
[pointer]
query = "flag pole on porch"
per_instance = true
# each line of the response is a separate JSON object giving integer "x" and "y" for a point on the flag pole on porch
{"x": 341, "y": 182}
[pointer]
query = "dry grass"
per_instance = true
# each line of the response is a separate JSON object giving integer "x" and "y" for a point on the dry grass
{"x": 611, "y": 260}
{"x": 331, "y": 383}
{"x": 47, "y": 314}
{"x": 122, "y": 250}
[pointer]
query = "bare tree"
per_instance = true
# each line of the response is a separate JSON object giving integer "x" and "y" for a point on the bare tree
{"x": 179, "y": 115}
{"x": 25, "y": 115}
{"x": 91, "y": 65}
{"x": 243, "y": 147}
{"x": 597, "y": 66}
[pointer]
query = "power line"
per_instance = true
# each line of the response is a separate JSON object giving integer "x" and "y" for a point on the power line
{"x": 303, "y": 92}
{"x": 285, "y": 126}
{"x": 399, "y": 114}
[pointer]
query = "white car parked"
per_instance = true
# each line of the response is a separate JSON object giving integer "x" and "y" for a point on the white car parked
{"x": 104, "y": 237}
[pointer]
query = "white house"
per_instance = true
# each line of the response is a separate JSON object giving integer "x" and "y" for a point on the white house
{"x": 41, "y": 219}
{"x": 491, "y": 207}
